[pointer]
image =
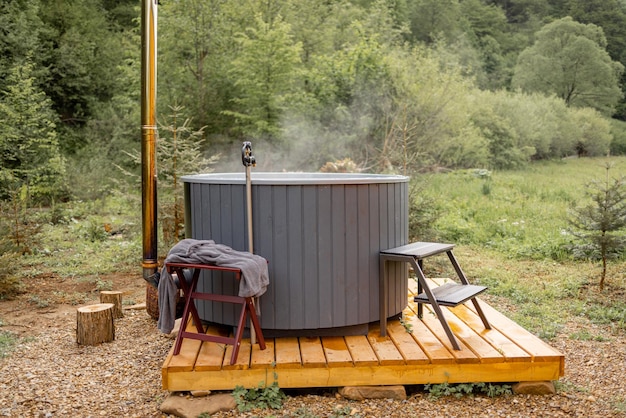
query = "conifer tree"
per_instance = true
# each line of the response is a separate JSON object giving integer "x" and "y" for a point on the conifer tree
{"x": 29, "y": 151}
{"x": 599, "y": 225}
{"x": 178, "y": 154}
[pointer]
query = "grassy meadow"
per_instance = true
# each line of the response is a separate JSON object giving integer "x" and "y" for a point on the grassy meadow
{"x": 512, "y": 232}
{"x": 510, "y": 228}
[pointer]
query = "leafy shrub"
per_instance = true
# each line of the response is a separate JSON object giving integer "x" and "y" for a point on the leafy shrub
{"x": 593, "y": 132}
{"x": 618, "y": 143}
{"x": 423, "y": 211}
{"x": 459, "y": 390}
{"x": 10, "y": 285}
{"x": 262, "y": 397}
{"x": 93, "y": 231}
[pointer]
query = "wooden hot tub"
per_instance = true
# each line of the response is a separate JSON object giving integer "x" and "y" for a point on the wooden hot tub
{"x": 321, "y": 234}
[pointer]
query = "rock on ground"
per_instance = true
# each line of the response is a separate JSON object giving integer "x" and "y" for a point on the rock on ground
{"x": 191, "y": 407}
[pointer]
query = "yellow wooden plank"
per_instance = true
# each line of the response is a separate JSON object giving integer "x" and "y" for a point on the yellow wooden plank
{"x": 406, "y": 344}
{"x": 263, "y": 358}
{"x": 464, "y": 355}
{"x": 485, "y": 352}
{"x": 165, "y": 369}
{"x": 504, "y": 345}
{"x": 384, "y": 348}
{"x": 539, "y": 350}
{"x": 501, "y": 343}
{"x": 312, "y": 352}
{"x": 211, "y": 354}
{"x": 361, "y": 351}
{"x": 188, "y": 354}
{"x": 430, "y": 344}
{"x": 506, "y": 338}
{"x": 243, "y": 357}
{"x": 287, "y": 352}
{"x": 362, "y": 376}
{"x": 336, "y": 351}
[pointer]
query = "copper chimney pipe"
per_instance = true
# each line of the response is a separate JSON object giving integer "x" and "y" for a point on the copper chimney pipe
{"x": 149, "y": 136}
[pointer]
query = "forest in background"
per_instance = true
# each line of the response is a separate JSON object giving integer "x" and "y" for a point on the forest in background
{"x": 387, "y": 85}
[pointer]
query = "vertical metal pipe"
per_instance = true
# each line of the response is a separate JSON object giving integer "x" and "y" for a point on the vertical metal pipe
{"x": 248, "y": 160}
{"x": 149, "y": 135}
{"x": 249, "y": 210}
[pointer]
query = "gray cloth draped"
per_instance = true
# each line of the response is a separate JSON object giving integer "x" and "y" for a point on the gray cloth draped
{"x": 254, "y": 273}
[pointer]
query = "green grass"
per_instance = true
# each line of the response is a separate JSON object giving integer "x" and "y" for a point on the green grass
{"x": 511, "y": 229}
{"x": 523, "y": 214}
{"x": 78, "y": 244}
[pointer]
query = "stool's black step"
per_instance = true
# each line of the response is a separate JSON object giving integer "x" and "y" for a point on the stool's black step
{"x": 451, "y": 294}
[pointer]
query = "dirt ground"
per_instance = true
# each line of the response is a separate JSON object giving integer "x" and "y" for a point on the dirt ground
{"x": 48, "y": 375}
{"x": 28, "y": 314}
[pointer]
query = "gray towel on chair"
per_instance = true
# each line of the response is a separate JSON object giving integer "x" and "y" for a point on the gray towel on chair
{"x": 254, "y": 273}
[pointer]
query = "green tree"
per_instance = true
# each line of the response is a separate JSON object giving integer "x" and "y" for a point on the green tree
{"x": 178, "y": 154}
{"x": 111, "y": 131}
{"x": 195, "y": 51}
{"x": 265, "y": 76}
{"x": 426, "y": 122}
{"x": 82, "y": 52}
{"x": 321, "y": 27}
{"x": 487, "y": 32}
{"x": 29, "y": 149}
{"x": 599, "y": 225}
{"x": 434, "y": 19}
{"x": 19, "y": 36}
{"x": 569, "y": 60}
{"x": 520, "y": 11}
{"x": 350, "y": 90}
{"x": 610, "y": 15}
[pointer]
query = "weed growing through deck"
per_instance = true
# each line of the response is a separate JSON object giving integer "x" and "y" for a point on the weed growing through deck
{"x": 407, "y": 325}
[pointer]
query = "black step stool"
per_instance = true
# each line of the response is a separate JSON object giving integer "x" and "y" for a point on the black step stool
{"x": 449, "y": 294}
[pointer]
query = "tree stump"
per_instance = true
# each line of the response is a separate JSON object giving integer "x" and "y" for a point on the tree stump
{"x": 114, "y": 297}
{"x": 94, "y": 324}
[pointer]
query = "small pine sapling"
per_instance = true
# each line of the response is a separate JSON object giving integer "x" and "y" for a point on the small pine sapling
{"x": 599, "y": 225}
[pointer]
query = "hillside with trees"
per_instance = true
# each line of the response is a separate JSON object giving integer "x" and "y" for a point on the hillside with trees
{"x": 394, "y": 85}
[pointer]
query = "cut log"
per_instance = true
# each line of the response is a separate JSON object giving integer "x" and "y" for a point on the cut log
{"x": 114, "y": 297}
{"x": 95, "y": 324}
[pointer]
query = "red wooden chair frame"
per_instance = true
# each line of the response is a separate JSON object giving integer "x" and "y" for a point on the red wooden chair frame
{"x": 190, "y": 294}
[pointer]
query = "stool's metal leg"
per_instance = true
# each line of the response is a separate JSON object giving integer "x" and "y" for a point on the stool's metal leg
{"x": 420, "y": 307}
{"x": 435, "y": 305}
{"x": 457, "y": 268}
{"x": 382, "y": 295}
{"x": 464, "y": 280}
{"x": 481, "y": 313}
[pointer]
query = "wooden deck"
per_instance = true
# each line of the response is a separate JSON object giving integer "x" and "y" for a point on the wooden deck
{"x": 506, "y": 353}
